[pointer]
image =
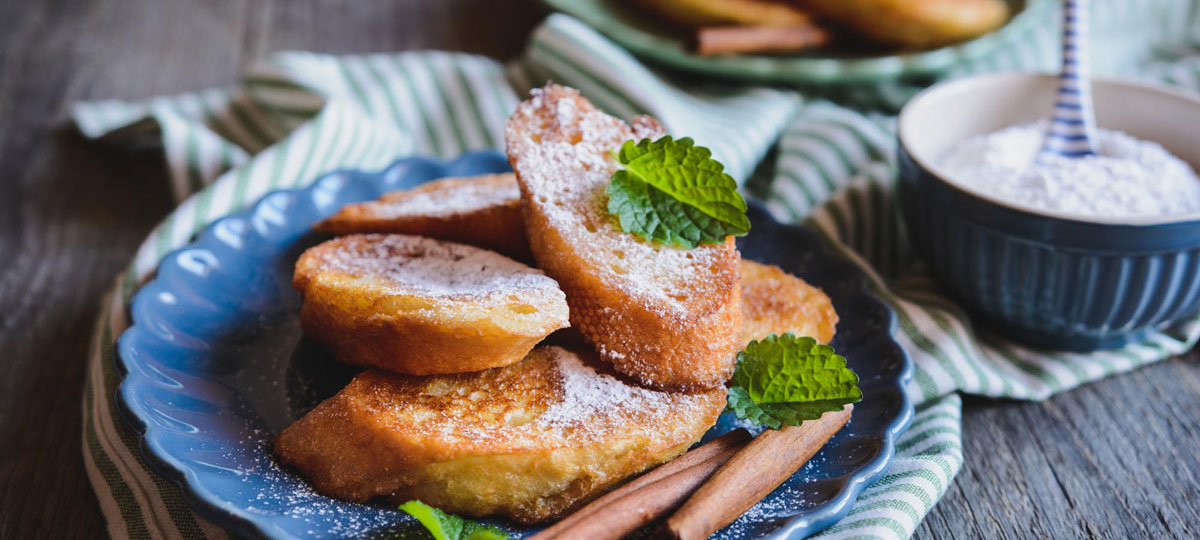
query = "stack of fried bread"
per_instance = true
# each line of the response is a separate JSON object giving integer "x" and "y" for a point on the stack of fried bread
{"x": 464, "y": 406}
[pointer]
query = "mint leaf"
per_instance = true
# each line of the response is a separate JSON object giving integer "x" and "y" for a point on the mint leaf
{"x": 445, "y": 526}
{"x": 441, "y": 525}
{"x": 785, "y": 380}
{"x": 673, "y": 192}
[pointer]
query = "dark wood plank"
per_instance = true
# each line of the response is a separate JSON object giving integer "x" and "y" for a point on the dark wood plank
{"x": 71, "y": 216}
{"x": 1115, "y": 459}
{"x": 497, "y": 29}
{"x": 71, "y": 213}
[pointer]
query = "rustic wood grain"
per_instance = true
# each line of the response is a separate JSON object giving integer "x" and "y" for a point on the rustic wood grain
{"x": 1116, "y": 459}
{"x": 71, "y": 213}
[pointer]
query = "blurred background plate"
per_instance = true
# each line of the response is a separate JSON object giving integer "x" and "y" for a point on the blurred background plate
{"x": 215, "y": 364}
{"x": 625, "y": 23}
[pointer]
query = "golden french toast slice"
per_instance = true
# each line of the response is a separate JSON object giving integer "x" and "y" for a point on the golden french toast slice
{"x": 667, "y": 316}
{"x": 531, "y": 440}
{"x": 415, "y": 305}
{"x": 482, "y": 211}
{"x": 914, "y": 23}
{"x": 774, "y": 301}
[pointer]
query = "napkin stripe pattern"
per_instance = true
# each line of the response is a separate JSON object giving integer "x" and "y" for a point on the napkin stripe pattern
{"x": 300, "y": 114}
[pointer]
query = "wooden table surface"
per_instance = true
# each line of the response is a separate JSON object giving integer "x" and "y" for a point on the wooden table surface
{"x": 1117, "y": 459}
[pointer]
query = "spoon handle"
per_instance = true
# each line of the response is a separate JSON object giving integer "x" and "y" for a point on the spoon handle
{"x": 1073, "y": 127}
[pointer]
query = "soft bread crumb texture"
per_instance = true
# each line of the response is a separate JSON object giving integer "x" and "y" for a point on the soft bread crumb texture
{"x": 531, "y": 440}
{"x": 774, "y": 302}
{"x": 667, "y": 316}
{"x": 420, "y": 306}
{"x": 482, "y": 211}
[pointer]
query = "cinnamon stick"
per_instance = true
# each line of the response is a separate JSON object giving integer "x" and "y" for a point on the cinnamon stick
{"x": 649, "y": 496}
{"x": 764, "y": 464}
{"x": 714, "y": 40}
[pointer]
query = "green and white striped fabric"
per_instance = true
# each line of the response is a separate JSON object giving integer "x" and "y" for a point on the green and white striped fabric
{"x": 300, "y": 114}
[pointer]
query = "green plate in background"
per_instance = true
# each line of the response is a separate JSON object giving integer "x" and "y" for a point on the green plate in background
{"x": 656, "y": 41}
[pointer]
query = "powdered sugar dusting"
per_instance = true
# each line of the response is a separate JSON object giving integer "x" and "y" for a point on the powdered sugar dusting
{"x": 1128, "y": 177}
{"x": 587, "y": 393}
{"x": 633, "y": 300}
{"x": 575, "y": 142}
{"x": 431, "y": 267}
{"x": 277, "y": 492}
{"x": 450, "y": 196}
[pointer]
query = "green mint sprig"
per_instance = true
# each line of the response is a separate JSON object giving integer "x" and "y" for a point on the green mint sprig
{"x": 445, "y": 526}
{"x": 672, "y": 191}
{"x": 785, "y": 380}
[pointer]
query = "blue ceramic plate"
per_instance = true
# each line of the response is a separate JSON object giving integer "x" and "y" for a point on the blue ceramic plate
{"x": 215, "y": 364}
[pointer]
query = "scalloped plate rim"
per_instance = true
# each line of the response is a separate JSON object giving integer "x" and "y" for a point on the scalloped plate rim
{"x": 207, "y": 504}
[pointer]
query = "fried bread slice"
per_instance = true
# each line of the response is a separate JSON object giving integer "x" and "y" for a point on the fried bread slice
{"x": 914, "y": 23}
{"x": 667, "y": 316}
{"x": 531, "y": 440}
{"x": 482, "y": 211}
{"x": 774, "y": 301}
{"x": 416, "y": 305}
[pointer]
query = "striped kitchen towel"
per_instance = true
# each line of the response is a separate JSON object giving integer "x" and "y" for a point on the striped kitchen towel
{"x": 298, "y": 115}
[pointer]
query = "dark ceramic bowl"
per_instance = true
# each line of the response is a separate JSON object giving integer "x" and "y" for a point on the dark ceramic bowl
{"x": 1042, "y": 278}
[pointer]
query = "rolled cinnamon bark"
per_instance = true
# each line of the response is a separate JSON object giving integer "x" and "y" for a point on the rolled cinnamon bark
{"x": 649, "y": 496}
{"x": 714, "y": 40}
{"x": 764, "y": 464}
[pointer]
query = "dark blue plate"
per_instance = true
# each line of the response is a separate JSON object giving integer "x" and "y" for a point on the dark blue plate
{"x": 215, "y": 364}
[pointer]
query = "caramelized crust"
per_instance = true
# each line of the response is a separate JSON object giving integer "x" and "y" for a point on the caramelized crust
{"x": 913, "y": 23}
{"x": 667, "y": 316}
{"x": 482, "y": 211}
{"x": 421, "y": 306}
{"x": 531, "y": 440}
{"x": 774, "y": 301}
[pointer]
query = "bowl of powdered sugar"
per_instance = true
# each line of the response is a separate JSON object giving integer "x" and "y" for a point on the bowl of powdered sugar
{"x": 1073, "y": 253}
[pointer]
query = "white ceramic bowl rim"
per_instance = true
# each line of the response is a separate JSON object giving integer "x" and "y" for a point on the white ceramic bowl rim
{"x": 904, "y": 131}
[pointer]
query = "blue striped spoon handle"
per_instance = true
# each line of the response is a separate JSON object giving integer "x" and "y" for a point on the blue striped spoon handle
{"x": 1072, "y": 131}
